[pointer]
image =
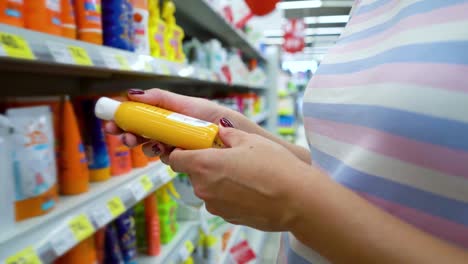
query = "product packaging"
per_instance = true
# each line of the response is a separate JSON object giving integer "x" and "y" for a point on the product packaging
{"x": 83, "y": 253}
{"x": 140, "y": 227}
{"x": 167, "y": 210}
{"x": 74, "y": 173}
{"x": 159, "y": 124}
{"x": 88, "y": 20}
{"x": 152, "y": 225}
{"x": 34, "y": 161}
{"x": 94, "y": 138}
{"x": 113, "y": 253}
{"x": 117, "y": 22}
{"x": 174, "y": 33}
{"x": 12, "y": 12}
{"x": 157, "y": 31}
{"x": 139, "y": 159}
{"x": 120, "y": 158}
{"x": 68, "y": 19}
{"x": 43, "y": 16}
{"x": 140, "y": 26}
{"x": 126, "y": 233}
{"x": 7, "y": 194}
{"x": 100, "y": 244}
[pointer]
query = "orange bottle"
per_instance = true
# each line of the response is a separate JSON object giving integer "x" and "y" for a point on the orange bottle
{"x": 74, "y": 173}
{"x": 43, "y": 16}
{"x": 88, "y": 20}
{"x": 68, "y": 19}
{"x": 11, "y": 12}
{"x": 139, "y": 159}
{"x": 120, "y": 158}
{"x": 83, "y": 253}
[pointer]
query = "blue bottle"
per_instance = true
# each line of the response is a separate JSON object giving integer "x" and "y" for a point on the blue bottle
{"x": 117, "y": 24}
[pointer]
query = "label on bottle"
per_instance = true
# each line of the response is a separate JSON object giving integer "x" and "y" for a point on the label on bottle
{"x": 53, "y": 5}
{"x": 188, "y": 120}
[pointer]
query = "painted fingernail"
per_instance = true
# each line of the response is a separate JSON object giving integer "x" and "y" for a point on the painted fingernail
{"x": 135, "y": 91}
{"x": 225, "y": 122}
{"x": 124, "y": 140}
{"x": 156, "y": 150}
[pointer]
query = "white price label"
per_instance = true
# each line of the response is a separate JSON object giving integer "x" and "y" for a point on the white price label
{"x": 137, "y": 190}
{"x": 164, "y": 175}
{"x": 115, "y": 61}
{"x": 60, "y": 52}
{"x": 101, "y": 215}
{"x": 63, "y": 241}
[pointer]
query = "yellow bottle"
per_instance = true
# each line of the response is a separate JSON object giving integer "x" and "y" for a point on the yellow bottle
{"x": 157, "y": 31}
{"x": 174, "y": 33}
{"x": 159, "y": 124}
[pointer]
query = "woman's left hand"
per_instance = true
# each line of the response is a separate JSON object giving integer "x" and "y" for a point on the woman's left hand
{"x": 250, "y": 182}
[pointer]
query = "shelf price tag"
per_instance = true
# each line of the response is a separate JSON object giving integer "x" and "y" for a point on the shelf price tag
{"x": 123, "y": 62}
{"x": 146, "y": 183}
{"x": 116, "y": 61}
{"x": 25, "y": 256}
{"x": 116, "y": 206}
{"x": 101, "y": 215}
{"x": 164, "y": 174}
{"x": 15, "y": 46}
{"x": 80, "y": 56}
{"x": 137, "y": 190}
{"x": 186, "y": 250}
{"x": 164, "y": 69}
{"x": 81, "y": 227}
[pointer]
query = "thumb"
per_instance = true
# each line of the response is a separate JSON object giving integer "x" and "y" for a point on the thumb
{"x": 231, "y": 137}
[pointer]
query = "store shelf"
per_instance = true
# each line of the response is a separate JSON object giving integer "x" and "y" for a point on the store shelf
{"x": 202, "y": 14}
{"x": 174, "y": 251}
{"x": 54, "y": 55}
{"x": 259, "y": 118}
{"x": 232, "y": 241}
{"x": 52, "y": 234}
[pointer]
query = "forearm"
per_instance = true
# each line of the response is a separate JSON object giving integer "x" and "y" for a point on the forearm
{"x": 243, "y": 123}
{"x": 342, "y": 226}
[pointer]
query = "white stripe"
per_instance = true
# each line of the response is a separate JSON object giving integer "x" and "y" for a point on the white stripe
{"x": 305, "y": 252}
{"x": 454, "y": 31}
{"x": 408, "y": 97}
{"x": 379, "y": 19}
{"x": 392, "y": 169}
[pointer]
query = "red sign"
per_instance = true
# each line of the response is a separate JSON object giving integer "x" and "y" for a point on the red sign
{"x": 242, "y": 253}
{"x": 294, "y": 36}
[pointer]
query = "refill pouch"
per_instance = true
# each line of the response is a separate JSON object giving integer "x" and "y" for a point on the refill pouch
{"x": 34, "y": 164}
{"x": 7, "y": 195}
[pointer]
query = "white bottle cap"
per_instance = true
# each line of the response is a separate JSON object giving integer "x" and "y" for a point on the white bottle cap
{"x": 105, "y": 108}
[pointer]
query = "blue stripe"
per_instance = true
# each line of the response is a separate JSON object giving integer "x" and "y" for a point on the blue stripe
{"x": 427, "y": 202}
{"x": 440, "y": 52}
{"x": 371, "y": 7}
{"x": 433, "y": 130}
{"x": 414, "y": 9}
{"x": 292, "y": 256}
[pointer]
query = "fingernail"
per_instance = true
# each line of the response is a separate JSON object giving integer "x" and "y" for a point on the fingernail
{"x": 156, "y": 150}
{"x": 225, "y": 122}
{"x": 124, "y": 140}
{"x": 135, "y": 91}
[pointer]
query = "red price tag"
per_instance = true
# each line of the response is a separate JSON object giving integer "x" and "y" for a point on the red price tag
{"x": 242, "y": 253}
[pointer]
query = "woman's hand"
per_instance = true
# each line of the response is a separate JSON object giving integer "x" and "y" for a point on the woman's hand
{"x": 250, "y": 182}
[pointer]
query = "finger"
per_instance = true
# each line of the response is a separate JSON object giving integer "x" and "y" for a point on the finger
{"x": 165, "y": 152}
{"x": 112, "y": 128}
{"x": 130, "y": 140}
{"x": 232, "y": 137}
{"x": 152, "y": 149}
{"x": 190, "y": 161}
{"x": 157, "y": 97}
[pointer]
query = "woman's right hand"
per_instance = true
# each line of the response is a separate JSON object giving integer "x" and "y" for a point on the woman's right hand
{"x": 191, "y": 106}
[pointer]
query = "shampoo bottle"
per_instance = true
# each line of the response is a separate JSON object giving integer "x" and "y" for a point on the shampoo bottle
{"x": 157, "y": 31}
{"x": 174, "y": 33}
{"x": 159, "y": 124}
{"x": 88, "y": 20}
{"x": 140, "y": 26}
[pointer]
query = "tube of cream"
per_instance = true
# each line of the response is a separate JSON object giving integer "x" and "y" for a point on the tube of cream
{"x": 34, "y": 161}
{"x": 159, "y": 124}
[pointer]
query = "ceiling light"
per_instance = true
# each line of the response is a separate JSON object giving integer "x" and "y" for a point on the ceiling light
{"x": 299, "y": 4}
{"x": 308, "y": 31}
{"x": 326, "y": 19}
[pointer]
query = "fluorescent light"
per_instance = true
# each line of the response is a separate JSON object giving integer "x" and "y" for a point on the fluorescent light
{"x": 299, "y": 4}
{"x": 308, "y": 31}
{"x": 330, "y": 40}
{"x": 326, "y": 19}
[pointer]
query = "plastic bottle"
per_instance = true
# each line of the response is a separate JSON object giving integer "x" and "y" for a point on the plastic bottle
{"x": 83, "y": 253}
{"x": 126, "y": 233}
{"x": 117, "y": 19}
{"x": 68, "y": 19}
{"x": 7, "y": 194}
{"x": 139, "y": 159}
{"x": 43, "y": 16}
{"x": 120, "y": 158}
{"x": 157, "y": 31}
{"x": 152, "y": 225}
{"x": 140, "y": 26}
{"x": 174, "y": 33}
{"x": 159, "y": 124}
{"x": 12, "y": 12}
{"x": 167, "y": 210}
{"x": 88, "y": 20}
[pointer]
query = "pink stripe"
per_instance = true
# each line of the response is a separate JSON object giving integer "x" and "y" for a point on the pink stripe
{"x": 434, "y": 225}
{"x": 439, "y": 16}
{"x": 442, "y": 76}
{"x": 388, "y": 7}
{"x": 435, "y": 157}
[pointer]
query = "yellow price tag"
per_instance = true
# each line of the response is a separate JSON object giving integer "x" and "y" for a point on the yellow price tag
{"x": 116, "y": 206}
{"x": 148, "y": 67}
{"x": 15, "y": 46}
{"x": 189, "y": 246}
{"x": 25, "y": 256}
{"x": 81, "y": 227}
{"x": 146, "y": 183}
{"x": 165, "y": 69}
{"x": 122, "y": 62}
{"x": 80, "y": 56}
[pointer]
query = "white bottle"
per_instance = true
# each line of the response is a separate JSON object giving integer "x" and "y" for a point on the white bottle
{"x": 7, "y": 194}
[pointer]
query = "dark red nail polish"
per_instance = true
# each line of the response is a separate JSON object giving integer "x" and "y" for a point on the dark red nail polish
{"x": 136, "y": 91}
{"x": 156, "y": 150}
{"x": 225, "y": 122}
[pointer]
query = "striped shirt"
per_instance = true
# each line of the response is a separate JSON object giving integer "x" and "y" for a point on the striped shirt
{"x": 386, "y": 115}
